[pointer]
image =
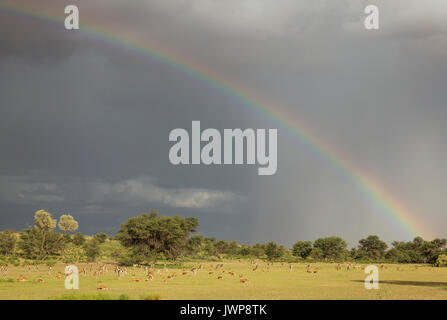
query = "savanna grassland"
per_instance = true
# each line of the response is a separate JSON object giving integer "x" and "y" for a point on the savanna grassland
{"x": 277, "y": 281}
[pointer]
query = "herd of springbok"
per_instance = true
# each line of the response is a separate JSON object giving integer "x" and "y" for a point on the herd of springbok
{"x": 148, "y": 273}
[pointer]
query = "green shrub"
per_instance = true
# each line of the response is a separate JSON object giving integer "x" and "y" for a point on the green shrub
{"x": 77, "y": 296}
{"x": 14, "y": 261}
{"x": 50, "y": 263}
{"x": 441, "y": 261}
{"x": 150, "y": 297}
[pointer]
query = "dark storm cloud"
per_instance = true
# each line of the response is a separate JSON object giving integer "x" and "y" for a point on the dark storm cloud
{"x": 84, "y": 124}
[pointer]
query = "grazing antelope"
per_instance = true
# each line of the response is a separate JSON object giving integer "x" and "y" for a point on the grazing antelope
{"x": 219, "y": 277}
{"x": 184, "y": 273}
{"x": 21, "y": 279}
{"x": 150, "y": 278}
{"x": 40, "y": 280}
{"x": 243, "y": 280}
{"x": 136, "y": 279}
{"x": 211, "y": 272}
{"x": 102, "y": 287}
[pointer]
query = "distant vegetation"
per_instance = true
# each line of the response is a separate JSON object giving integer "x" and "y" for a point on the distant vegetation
{"x": 150, "y": 238}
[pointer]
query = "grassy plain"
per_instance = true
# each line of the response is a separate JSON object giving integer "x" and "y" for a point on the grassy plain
{"x": 273, "y": 282}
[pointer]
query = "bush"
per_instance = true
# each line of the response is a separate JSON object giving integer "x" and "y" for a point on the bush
{"x": 50, "y": 263}
{"x": 7, "y": 242}
{"x": 441, "y": 261}
{"x": 101, "y": 237}
{"x": 79, "y": 239}
{"x": 14, "y": 261}
{"x": 92, "y": 250}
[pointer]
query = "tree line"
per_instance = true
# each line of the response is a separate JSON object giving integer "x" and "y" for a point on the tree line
{"x": 149, "y": 238}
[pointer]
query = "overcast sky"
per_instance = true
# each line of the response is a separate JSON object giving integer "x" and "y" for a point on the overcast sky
{"x": 84, "y": 123}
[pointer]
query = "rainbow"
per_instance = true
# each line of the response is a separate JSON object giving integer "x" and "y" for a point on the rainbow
{"x": 391, "y": 209}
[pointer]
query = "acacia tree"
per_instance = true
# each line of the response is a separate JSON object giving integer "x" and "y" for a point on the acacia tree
{"x": 371, "y": 248}
{"x": 331, "y": 247}
{"x": 302, "y": 249}
{"x": 45, "y": 223}
{"x": 274, "y": 251}
{"x": 150, "y": 235}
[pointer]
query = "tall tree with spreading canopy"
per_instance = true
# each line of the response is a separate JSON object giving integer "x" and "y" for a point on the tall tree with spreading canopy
{"x": 331, "y": 247}
{"x": 45, "y": 223}
{"x": 371, "y": 248}
{"x": 302, "y": 249}
{"x": 151, "y": 235}
{"x": 40, "y": 240}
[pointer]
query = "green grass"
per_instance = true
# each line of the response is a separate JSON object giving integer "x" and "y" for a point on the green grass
{"x": 276, "y": 282}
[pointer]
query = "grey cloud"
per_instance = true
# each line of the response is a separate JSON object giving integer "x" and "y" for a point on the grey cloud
{"x": 143, "y": 189}
{"x": 140, "y": 190}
